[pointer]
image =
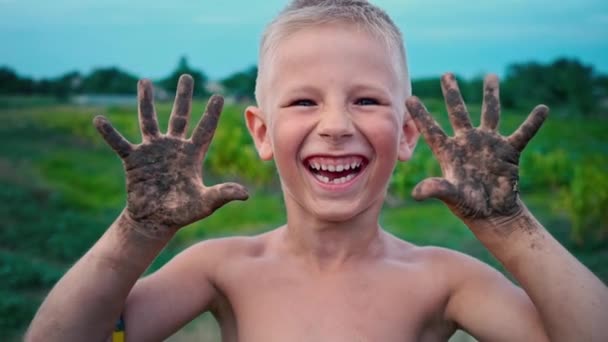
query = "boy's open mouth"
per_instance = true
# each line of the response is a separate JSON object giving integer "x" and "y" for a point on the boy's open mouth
{"x": 335, "y": 170}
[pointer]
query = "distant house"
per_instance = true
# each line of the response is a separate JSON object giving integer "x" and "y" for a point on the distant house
{"x": 104, "y": 100}
{"x": 160, "y": 94}
{"x": 213, "y": 87}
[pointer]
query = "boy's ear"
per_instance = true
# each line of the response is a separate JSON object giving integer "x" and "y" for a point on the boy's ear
{"x": 408, "y": 139}
{"x": 256, "y": 123}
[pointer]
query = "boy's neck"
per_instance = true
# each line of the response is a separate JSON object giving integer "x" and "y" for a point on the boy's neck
{"x": 327, "y": 246}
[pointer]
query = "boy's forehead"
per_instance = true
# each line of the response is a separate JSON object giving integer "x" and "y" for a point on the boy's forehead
{"x": 310, "y": 46}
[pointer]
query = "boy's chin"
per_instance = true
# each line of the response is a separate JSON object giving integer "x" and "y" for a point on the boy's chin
{"x": 339, "y": 212}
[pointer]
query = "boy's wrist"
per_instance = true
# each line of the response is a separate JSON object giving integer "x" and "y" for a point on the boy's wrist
{"x": 128, "y": 246}
{"x": 143, "y": 230}
{"x": 506, "y": 232}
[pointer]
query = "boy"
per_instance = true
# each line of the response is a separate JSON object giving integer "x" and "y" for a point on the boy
{"x": 332, "y": 113}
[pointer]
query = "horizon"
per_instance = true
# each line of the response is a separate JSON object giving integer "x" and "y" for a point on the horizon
{"x": 147, "y": 38}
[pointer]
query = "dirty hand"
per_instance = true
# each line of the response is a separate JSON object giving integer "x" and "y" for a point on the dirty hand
{"x": 165, "y": 188}
{"x": 479, "y": 166}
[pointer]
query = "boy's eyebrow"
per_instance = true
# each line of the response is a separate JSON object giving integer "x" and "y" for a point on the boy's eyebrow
{"x": 371, "y": 86}
{"x": 363, "y": 86}
{"x": 295, "y": 89}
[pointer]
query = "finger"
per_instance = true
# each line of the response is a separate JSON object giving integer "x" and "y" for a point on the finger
{"x": 490, "y": 108}
{"x": 520, "y": 138}
{"x": 181, "y": 107}
{"x": 203, "y": 133}
{"x": 430, "y": 129}
{"x": 147, "y": 114}
{"x": 116, "y": 141}
{"x": 457, "y": 110}
{"x": 435, "y": 187}
{"x": 227, "y": 192}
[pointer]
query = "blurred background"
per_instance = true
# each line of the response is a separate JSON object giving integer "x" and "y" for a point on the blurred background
{"x": 65, "y": 61}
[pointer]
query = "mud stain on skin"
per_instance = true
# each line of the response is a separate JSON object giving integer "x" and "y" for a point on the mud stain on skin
{"x": 480, "y": 166}
{"x": 165, "y": 188}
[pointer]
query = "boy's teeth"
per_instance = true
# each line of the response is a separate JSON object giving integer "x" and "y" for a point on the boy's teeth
{"x": 340, "y": 180}
{"x": 334, "y": 168}
{"x": 322, "y": 178}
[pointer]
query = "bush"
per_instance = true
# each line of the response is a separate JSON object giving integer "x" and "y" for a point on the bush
{"x": 549, "y": 170}
{"x": 408, "y": 174}
{"x": 586, "y": 202}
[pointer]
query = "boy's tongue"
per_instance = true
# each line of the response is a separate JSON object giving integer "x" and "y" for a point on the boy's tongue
{"x": 335, "y": 174}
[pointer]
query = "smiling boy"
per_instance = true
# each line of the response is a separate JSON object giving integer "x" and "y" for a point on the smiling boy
{"x": 334, "y": 113}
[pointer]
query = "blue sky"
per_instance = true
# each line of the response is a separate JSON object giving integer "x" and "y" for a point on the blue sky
{"x": 42, "y": 38}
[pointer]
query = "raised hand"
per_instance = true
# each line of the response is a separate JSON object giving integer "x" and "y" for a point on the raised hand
{"x": 479, "y": 166}
{"x": 165, "y": 188}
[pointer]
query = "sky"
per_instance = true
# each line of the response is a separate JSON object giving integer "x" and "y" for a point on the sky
{"x": 41, "y": 38}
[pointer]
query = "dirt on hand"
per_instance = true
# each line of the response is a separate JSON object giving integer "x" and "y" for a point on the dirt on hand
{"x": 480, "y": 167}
{"x": 165, "y": 189}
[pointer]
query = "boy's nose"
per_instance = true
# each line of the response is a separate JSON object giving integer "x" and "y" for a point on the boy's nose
{"x": 335, "y": 125}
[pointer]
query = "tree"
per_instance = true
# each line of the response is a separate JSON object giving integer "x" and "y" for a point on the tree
{"x": 200, "y": 79}
{"x": 110, "y": 81}
{"x": 67, "y": 84}
{"x": 242, "y": 84}
{"x": 12, "y": 84}
{"x": 565, "y": 83}
{"x": 427, "y": 88}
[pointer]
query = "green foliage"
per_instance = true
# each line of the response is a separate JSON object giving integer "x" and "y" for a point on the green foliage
{"x": 548, "y": 170}
{"x": 586, "y": 202}
{"x": 407, "y": 175}
{"x": 109, "y": 81}
{"x": 19, "y": 272}
{"x": 169, "y": 83}
{"x": 15, "y": 310}
{"x": 567, "y": 83}
{"x": 242, "y": 84}
{"x": 233, "y": 153}
{"x": 12, "y": 83}
{"x": 430, "y": 88}
{"x": 427, "y": 88}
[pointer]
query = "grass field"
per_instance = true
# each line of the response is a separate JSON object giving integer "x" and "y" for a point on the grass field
{"x": 60, "y": 187}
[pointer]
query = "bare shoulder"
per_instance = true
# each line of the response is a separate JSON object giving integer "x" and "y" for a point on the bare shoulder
{"x": 454, "y": 264}
{"x": 458, "y": 278}
{"x": 401, "y": 250}
{"x": 471, "y": 294}
{"x": 229, "y": 249}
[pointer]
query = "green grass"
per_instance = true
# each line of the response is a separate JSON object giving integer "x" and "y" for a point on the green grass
{"x": 61, "y": 187}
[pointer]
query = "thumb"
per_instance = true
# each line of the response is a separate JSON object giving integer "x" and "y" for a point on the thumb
{"x": 227, "y": 192}
{"x": 435, "y": 187}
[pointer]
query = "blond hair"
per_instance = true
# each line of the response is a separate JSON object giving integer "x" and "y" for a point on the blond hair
{"x": 301, "y": 14}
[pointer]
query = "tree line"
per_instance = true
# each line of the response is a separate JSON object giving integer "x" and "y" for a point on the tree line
{"x": 564, "y": 83}
{"x": 106, "y": 80}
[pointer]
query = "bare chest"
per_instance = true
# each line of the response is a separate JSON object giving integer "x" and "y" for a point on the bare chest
{"x": 267, "y": 302}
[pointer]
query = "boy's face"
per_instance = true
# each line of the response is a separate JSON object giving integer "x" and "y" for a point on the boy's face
{"x": 333, "y": 119}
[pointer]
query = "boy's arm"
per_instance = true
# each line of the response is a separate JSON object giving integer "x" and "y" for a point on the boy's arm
{"x": 480, "y": 185}
{"x": 164, "y": 193}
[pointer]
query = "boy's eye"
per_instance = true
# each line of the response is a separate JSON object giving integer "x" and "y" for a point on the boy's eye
{"x": 367, "y": 101}
{"x": 303, "y": 103}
